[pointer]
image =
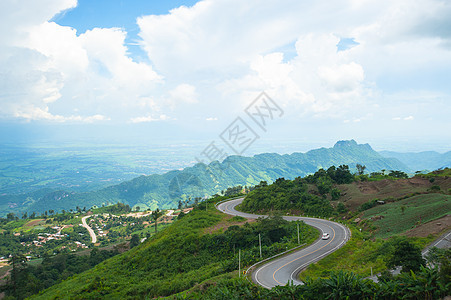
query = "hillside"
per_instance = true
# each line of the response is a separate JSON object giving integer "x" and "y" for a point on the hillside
{"x": 198, "y": 247}
{"x": 357, "y": 193}
{"x": 377, "y": 203}
{"x": 201, "y": 180}
{"x": 197, "y": 254}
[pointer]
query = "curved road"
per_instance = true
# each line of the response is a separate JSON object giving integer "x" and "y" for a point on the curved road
{"x": 90, "y": 230}
{"x": 284, "y": 269}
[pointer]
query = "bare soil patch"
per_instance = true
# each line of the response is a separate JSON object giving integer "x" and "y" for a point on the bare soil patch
{"x": 33, "y": 223}
{"x": 434, "y": 227}
{"x": 357, "y": 193}
{"x": 225, "y": 223}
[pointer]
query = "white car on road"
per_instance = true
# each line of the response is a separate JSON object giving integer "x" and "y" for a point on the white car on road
{"x": 325, "y": 236}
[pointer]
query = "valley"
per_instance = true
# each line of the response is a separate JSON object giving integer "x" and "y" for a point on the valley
{"x": 207, "y": 242}
{"x": 166, "y": 189}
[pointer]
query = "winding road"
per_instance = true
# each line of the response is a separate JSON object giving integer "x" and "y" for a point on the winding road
{"x": 284, "y": 269}
{"x": 90, "y": 230}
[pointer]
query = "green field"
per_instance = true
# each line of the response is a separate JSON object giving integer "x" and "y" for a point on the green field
{"x": 400, "y": 216}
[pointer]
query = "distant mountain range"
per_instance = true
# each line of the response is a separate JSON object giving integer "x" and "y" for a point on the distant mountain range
{"x": 427, "y": 160}
{"x": 166, "y": 190}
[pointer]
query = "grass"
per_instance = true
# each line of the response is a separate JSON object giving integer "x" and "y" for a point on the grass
{"x": 355, "y": 256}
{"x": 148, "y": 268}
{"x": 236, "y": 219}
{"x": 400, "y": 216}
{"x": 172, "y": 261}
{"x": 360, "y": 255}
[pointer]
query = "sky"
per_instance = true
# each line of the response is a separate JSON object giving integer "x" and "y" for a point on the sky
{"x": 376, "y": 71}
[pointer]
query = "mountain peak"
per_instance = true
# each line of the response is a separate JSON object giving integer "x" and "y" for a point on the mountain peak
{"x": 343, "y": 144}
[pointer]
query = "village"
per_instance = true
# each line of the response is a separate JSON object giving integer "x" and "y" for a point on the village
{"x": 36, "y": 238}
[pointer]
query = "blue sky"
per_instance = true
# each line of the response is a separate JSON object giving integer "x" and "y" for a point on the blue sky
{"x": 375, "y": 71}
{"x": 116, "y": 13}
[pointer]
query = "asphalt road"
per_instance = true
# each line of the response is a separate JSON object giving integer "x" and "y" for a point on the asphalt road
{"x": 284, "y": 269}
{"x": 90, "y": 230}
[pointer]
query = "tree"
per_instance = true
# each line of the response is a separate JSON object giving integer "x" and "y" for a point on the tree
{"x": 180, "y": 204}
{"x": 406, "y": 255}
{"x": 341, "y": 175}
{"x": 155, "y": 215}
{"x": 442, "y": 258}
{"x": 324, "y": 185}
{"x": 134, "y": 241}
{"x": 398, "y": 174}
{"x": 335, "y": 194}
{"x": 137, "y": 208}
{"x": 181, "y": 215}
{"x": 19, "y": 262}
{"x": 341, "y": 208}
{"x": 360, "y": 169}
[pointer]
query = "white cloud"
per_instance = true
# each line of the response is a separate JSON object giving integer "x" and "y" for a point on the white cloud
{"x": 220, "y": 54}
{"x": 408, "y": 118}
{"x": 36, "y": 113}
{"x": 149, "y": 118}
{"x": 234, "y": 43}
{"x": 211, "y": 119}
{"x": 47, "y": 70}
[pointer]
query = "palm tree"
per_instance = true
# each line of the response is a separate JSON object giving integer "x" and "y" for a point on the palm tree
{"x": 155, "y": 215}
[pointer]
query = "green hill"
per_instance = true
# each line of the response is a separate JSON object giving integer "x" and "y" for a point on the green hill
{"x": 166, "y": 190}
{"x": 181, "y": 256}
{"x": 197, "y": 255}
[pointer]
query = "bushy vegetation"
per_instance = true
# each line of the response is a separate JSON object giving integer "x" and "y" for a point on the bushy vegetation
{"x": 118, "y": 208}
{"x": 297, "y": 194}
{"x": 182, "y": 256}
{"x": 29, "y": 279}
{"x": 427, "y": 283}
{"x": 363, "y": 255}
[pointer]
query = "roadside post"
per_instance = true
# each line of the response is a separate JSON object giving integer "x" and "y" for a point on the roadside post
{"x": 260, "y": 244}
{"x": 299, "y": 241}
